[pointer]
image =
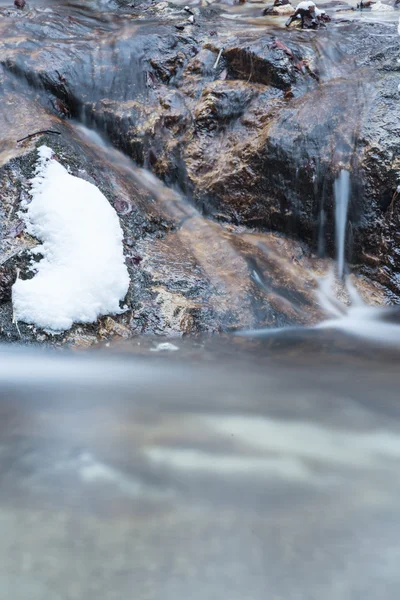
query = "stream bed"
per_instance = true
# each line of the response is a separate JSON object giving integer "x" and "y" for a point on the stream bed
{"x": 233, "y": 430}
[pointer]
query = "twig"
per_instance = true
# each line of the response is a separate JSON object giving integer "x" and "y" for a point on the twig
{"x": 14, "y": 320}
{"x": 16, "y": 325}
{"x": 31, "y": 135}
{"x": 218, "y": 58}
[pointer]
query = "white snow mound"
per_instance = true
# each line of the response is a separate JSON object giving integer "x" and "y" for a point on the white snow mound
{"x": 305, "y": 5}
{"x": 380, "y": 6}
{"x": 82, "y": 274}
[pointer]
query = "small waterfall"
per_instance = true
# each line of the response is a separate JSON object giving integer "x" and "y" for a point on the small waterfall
{"x": 342, "y": 194}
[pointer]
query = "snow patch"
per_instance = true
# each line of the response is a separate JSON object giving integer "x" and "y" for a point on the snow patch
{"x": 380, "y": 6}
{"x": 82, "y": 274}
{"x": 306, "y": 6}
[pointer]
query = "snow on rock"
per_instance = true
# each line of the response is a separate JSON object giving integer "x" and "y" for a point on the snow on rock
{"x": 82, "y": 274}
{"x": 380, "y": 6}
{"x": 305, "y": 5}
{"x": 311, "y": 7}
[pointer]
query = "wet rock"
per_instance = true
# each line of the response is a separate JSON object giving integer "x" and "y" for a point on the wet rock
{"x": 202, "y": 64}
{"x": 249, "y": 125}
{"x": 111, "y": 328}
{"x": 280, "y": 7}
{"x": 7, "y": 279}
{"x": 261, "y": 61}
{"x": 187, "y": 276}
{"x": 78, "y": 341}
{"x": 198, "y": 72}
{"x": 377, "y": 5}
{"x": 221, "y": 102}
{"x": 21, "y": 116}
{"x": 72, "y": 78}
{"x": 149, "y": 132}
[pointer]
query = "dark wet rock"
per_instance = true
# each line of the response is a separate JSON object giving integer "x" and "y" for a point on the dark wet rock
{"x": 188, "y": 275}
{"x": 199, "y": 71}
{"x": 202, "y": 63}
{"x": 7, "y": 279}
{"x": 76, "y": 75}
{"x": 222, "y": 102}
{"x": 379, "y": 253}
{"x": 251, "y": 127}
{"x": 262, "y": 61}
{"x": 143, "y": 129}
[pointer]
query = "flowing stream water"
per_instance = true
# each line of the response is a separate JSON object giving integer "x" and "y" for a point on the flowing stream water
{"x": 259, "y": 465}
{"x": 342, "y": 193}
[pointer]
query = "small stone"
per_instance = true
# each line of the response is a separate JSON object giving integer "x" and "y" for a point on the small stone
{"x": 133, "y": 260}
{"x": 81, "y": 342}
{"x": 19, "y": 3}
{"x": 16, "y": 229}
{"x": 113, "y": 328}
{"x": 130, "y": 241}
{"x": 122, "y": 207}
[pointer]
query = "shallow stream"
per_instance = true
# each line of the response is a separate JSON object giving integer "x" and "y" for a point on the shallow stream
{"x": 249, "y": 462}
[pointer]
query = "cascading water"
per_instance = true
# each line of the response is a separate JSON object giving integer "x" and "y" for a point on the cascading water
{"x": 356, "y": 317}
{"x": 342, "y": 195}
{"x": 338, "y": 297}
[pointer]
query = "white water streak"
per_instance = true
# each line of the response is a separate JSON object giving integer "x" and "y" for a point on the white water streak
{"x": 342, "y": 193}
